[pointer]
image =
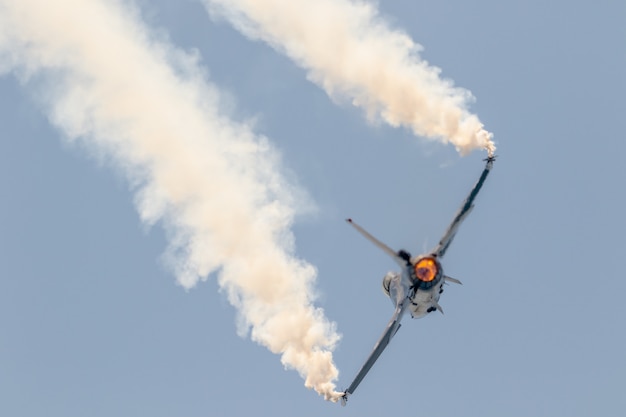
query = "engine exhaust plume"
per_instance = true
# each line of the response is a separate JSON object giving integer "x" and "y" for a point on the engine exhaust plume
{"x": 351, "y": 52}
{"x": 108, "y": 82}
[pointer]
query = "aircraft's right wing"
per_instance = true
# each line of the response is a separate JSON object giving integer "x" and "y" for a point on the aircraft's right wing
{"x": 463, "y": 212}
{"x": 390, "y": 331}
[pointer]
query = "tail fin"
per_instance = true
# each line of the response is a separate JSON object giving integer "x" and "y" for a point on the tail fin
{"x": 378, "y": 243}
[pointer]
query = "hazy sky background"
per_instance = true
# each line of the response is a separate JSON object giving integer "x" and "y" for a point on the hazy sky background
{"x": 92, "y": 323}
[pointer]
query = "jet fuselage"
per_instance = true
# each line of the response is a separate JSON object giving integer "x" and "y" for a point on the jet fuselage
{"x": 420, "y": 284}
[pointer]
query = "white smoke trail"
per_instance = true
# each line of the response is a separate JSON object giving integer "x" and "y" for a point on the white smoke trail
{"x": 350, "y": 51}
{"x": 106, "y": 81}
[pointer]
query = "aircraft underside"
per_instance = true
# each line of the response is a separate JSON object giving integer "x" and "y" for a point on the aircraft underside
{"x": 425, "y": 302}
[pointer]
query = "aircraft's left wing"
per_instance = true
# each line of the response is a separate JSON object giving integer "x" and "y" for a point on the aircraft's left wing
{"x": 390, "y": 331}
{"x": 464, "y": 211}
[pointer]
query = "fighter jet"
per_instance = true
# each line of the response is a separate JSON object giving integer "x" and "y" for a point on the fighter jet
{"x": 417, "y": 288}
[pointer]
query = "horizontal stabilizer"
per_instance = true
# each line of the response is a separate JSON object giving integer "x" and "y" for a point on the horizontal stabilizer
{"x": 450, "y": 279}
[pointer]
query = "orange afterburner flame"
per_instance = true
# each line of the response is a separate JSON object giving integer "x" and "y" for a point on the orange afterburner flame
{"x": 426, "y": 269}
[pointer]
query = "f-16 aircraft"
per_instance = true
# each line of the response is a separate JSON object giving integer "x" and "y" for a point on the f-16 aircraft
{"x": 417, "y": 288}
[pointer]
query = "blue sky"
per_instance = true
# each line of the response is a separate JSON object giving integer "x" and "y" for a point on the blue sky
{"x": 93, "y": 323}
